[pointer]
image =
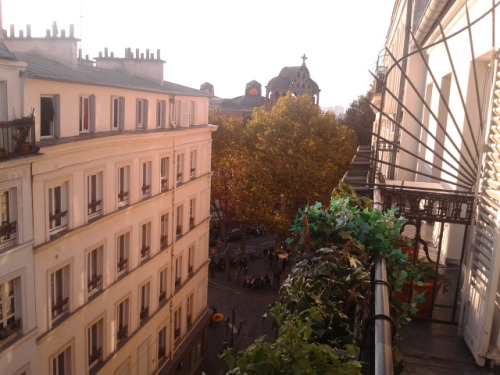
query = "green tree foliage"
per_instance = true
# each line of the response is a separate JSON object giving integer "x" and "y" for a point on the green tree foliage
{"x": 294, "y": 352}
{"x": 234, "y": 190}
{"x": 360, "y": 117}
{"x": 323, "y": 305}
{"x": 298, "y": 153}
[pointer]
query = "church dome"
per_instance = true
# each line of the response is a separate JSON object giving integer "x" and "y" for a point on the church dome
{"x": 295, "y": 79}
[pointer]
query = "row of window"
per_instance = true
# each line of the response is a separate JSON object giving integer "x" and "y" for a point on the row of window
{"x": 59, "y": 198}
{"x": 60, "y": 279}
{"x": 95, "y": 333}
{"x": 183, "y": 113}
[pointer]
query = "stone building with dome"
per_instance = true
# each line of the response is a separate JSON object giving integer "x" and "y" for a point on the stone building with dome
{"x": 295, "y": 79}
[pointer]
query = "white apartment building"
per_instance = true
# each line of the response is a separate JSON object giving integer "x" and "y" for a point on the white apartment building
{"x": 437, "y": 136}
{"x": 104, "y": 235}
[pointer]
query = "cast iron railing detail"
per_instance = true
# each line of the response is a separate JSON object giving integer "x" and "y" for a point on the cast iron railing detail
{"x": 430, "y": 205}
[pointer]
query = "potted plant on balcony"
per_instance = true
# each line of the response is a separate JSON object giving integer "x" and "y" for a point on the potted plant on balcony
{"x": 422, "y": 288}
{"x": 406, "y": 246}
{"x": 20, "y": 135}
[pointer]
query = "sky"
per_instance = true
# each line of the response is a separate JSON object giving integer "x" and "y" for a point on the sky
{"x": 227, "y": 42}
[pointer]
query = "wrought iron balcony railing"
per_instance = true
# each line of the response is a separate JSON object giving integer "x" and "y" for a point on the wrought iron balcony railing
{"x": 17, "y": 137}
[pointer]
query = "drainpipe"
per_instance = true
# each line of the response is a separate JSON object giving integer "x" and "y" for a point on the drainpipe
{"x": 399, "y": 110}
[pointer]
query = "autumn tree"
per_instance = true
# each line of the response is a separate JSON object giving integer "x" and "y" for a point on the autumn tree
{"x": 359, "y": 117}
{"x": 234, "y": 192}
{"x": 298, "y": 154}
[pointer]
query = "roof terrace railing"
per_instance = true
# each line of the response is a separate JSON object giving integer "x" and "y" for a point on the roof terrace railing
{"x": 383, "y": 322}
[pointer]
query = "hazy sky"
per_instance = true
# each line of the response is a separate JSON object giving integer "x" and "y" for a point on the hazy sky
{"x": 227, "y": 42}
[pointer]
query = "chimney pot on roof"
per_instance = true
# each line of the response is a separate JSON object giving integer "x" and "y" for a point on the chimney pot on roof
{"x": 142, "y": 56}
{"x": 158, "y": 54}
{"x": 112, "y": 55}
{"x": 63, "y": 33}
{"x": 100, "y": 54}
{"x": 86, "y": 57}
{"x": 55, "y": 31}
{"x": 12, "y": 31}
{"x": 72, "y": 31}
{"x": 106, "y": 52}
{"x": 147, "y": 53}
{"x": 28, "y": 31}
{"x": 79, "y": 53}
{"x": 47, "y": 33}
{"x": 137, "y": 53}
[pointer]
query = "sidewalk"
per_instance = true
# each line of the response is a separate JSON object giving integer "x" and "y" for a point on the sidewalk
{"x": 244, "y": 307}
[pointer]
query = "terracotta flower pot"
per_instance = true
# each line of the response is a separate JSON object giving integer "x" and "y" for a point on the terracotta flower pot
{"x": 424, "y": 308}
{"x": 23, "y": 148}
{"x": 411, "y": 251}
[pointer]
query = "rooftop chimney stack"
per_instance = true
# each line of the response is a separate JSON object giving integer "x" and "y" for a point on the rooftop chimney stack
{"x": 55, "y": 31}
{"x": 72, "y": 31}
{"x": 28, "y": 31}
{"x": 1, "y": 21}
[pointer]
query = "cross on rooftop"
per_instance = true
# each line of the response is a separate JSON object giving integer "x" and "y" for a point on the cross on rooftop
{"x": 304, "y": 58}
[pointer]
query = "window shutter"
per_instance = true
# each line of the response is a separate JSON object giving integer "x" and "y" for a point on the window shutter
{"x": 186, "y": 107}
{"x": 163, "y": 114}
{"x": 145, "y": 114}
{"x": 121, "y": 125}
{"x": 137, "y": 119}
{"x": 195, "y": 113}
{"x": 57, "y": 116}
{"x": 178, "y": 113}
{"x": 92, "y": 113}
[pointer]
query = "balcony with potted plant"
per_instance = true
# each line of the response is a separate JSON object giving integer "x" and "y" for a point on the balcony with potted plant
{"x": 17, "y": 137}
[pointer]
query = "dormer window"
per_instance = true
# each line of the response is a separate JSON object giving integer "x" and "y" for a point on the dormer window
{"x": 49, "y": 116}
{"x": 142, "y": 114}
{"x": 117, "y": 112}
{"x": 87, "y": 114}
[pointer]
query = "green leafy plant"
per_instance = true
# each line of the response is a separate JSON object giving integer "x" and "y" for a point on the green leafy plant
{"x": 294, "y": 351}
{"x": 21, "y": 134}
{"x": 323, "y": 304}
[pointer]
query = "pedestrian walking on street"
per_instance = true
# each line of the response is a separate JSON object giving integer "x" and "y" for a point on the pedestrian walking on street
{"x": 277, "y": 276}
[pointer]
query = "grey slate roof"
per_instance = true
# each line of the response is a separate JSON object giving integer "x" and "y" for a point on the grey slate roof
{"x": 5, "y": 52}
{"x": 40, "y": 67}
{"x": 244, "y": 101}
